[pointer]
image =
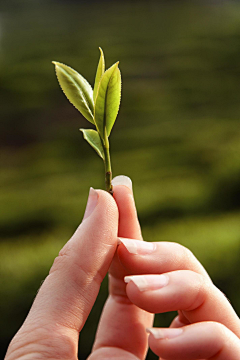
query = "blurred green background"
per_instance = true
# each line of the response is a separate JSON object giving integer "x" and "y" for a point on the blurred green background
{"x": 177, "y": 135}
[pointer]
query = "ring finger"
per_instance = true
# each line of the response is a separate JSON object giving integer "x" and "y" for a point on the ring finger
{"x": 183, "y": 290}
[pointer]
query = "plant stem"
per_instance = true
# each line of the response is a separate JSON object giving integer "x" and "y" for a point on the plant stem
{"x": 107, "y": 163}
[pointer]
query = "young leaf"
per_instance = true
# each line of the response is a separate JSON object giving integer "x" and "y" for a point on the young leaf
{"x": 113, "y": 99}
{"x": 94, "y": 140}
{"x": 107, "y": 100}
{"x": 77, "y": 89}
{"x": 99, "y": 73}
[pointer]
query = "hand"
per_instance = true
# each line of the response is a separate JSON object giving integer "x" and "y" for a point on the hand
{"x": 67, "y": 295}
{"x": 64, "y": 301}
{"x": 167, "y": 277}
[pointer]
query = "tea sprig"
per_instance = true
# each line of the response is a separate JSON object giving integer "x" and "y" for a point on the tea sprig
{"x": 99, "y": 105}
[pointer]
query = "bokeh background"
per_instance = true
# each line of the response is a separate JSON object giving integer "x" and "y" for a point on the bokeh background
{"x": 177, "y": 135}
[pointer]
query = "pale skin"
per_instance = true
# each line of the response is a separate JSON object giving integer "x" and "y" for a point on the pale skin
{"x": 158, "y": 278}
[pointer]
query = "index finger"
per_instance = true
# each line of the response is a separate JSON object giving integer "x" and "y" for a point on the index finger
{"x": 122, "y": 325}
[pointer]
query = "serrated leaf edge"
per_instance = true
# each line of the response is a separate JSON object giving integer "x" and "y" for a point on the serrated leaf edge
{"x": 83, "y": 96}
{"x": 103, "y": 68}
{"x": 101, "y": 154}
{"x": 115, "y": 64}
{"x": 108, "y": 134}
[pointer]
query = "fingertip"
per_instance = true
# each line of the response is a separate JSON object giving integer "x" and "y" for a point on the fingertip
{"x": 104, "y": 217}
{"x": 106, "y": 199}
{"x": 163, "y": 333}
{"x": 123, "y": 181}
{"x": 122, "y": 189}
{"x": 100, "y": 220}
{"x": 91, "y": 203}
{"x": 128, "y": 221}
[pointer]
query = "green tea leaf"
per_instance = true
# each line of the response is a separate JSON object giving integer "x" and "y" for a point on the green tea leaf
{"x": 77, "y": 89}
{"x": 94, "y": 140}
{"x": 113, "y": 99}
{"x": 107, "y": 100}
{"x": 99, "y": 73}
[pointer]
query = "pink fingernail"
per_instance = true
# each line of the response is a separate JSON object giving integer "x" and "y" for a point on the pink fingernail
{"x": 91, "y": 203}
{"x": 137, "y": 246}
{"x": 122, "y": 180}
{"x": 148, "y": 282}
{"x": 165, "y": 333}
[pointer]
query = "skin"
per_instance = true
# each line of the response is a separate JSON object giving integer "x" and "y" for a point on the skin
{"x": 210, "y": 327}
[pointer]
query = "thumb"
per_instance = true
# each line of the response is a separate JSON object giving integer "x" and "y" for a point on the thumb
{"x": 69, "y": 291}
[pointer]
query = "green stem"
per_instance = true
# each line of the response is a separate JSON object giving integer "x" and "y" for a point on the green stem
{"x": 107, "y": 163}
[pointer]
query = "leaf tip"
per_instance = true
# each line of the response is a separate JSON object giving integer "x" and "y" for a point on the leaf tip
{"x": 115, "y": 66}
{"x": 57, "y": 65}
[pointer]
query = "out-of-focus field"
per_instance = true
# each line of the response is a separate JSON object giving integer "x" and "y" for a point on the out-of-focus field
{"x": 177, "y": 135}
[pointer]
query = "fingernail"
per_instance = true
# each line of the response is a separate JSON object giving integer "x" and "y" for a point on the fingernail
{"x": 148, "y": 282}
{"x": 164, "y": 333}
{"x": 122, "y": 180}
{"x": 91, "y": 203}
{"x": 137, "y": 246}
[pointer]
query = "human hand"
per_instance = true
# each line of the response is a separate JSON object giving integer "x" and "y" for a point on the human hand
{"x": 64, "y": 301}
{"x": 166, "y": 277}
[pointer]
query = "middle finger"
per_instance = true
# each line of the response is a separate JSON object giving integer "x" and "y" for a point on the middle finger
{"x": 142, "y": 257}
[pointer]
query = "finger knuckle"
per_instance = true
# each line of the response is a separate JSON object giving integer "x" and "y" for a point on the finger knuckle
{"x": 59, "y": 263}
{"x": 219, "y": 330}
{"x": 201, "y": 289}
{"x": 185, "y": 256}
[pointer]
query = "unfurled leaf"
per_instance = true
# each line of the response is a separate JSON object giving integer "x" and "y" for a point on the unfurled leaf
{"x": 94, "y": 140}
{"x": 99, "y": 73}
{"x": 77, "y": 89}
{"x": 113, "y": 99}
{"x": 99, "y": 106}
{"x": 107, "y": 100}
